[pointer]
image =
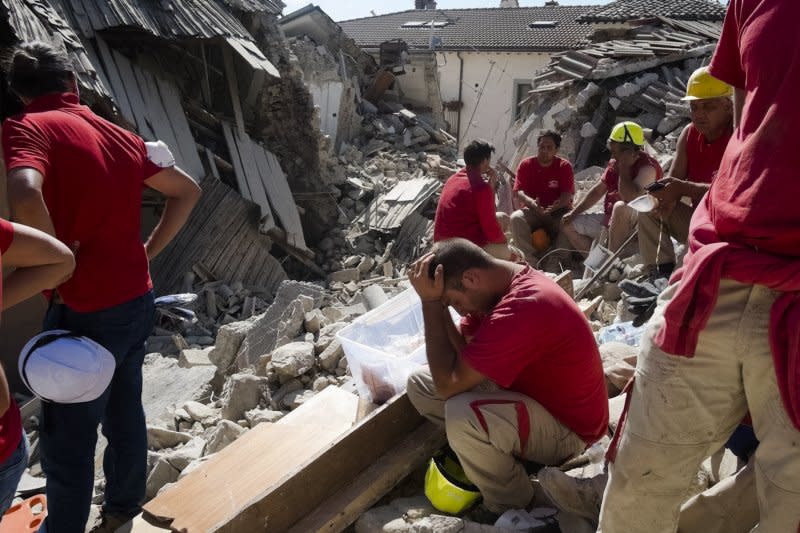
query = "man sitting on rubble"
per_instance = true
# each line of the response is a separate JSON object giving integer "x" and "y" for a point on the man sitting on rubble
{"x": 467, "y": 208}
{"x": 520, "y": 380}
{"x": 628, "y": 173}
{"x": 544, "y": 187}
{"x": 697, "y": 158}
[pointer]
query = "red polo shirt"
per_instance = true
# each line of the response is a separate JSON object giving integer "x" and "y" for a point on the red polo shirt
{"x": 545, "y": 184}
{"x": 466, "y": 209}
{"x": 703, "y": 158}
{"x": 93, "y": 178}
{"x": 611, "y": 178}
{"x": 537, "y": 342}
{"x": 747, "y": 228}
{"x": 10, "y": 422}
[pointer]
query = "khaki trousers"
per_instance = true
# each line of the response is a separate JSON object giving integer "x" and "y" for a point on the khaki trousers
{"x": 684, "y": 409}
{"x": 730, "y": 506}
{"x": 526, "y": 221}
{"x": 652, "y": 230}
{"x": 490, "y": 430}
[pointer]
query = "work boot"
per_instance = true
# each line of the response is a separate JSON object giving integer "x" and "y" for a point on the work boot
{"x": 581, "y": 497}
{"x": 110, "y": 522}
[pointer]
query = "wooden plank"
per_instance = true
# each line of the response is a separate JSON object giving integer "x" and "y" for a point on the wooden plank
{"x": 140, "y": 525}
{"x": 590, "y": 307}
{"x": 564, "y": 280}
{"x": 117, "y": 87}
{"x": 250, "y": 152}
{"x": 282, "y": 201}
{"x": 236, "y": 160}
{"x": 233, "y": 87}
{"x": 210, "y": 497}
{"x": 138, "y": 106}
{"x": 155, "y": 114}
{"x": 345, "y": 506}
{"x": 180, "y": 127}
{"x": 329, "y": 471}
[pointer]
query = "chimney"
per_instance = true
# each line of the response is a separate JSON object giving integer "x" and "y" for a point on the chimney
{"x": 424, "y": 4}
{"x": 509, "y": 3}
{"x": 551, "y": 3}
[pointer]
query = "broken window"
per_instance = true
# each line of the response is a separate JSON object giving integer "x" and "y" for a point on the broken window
{"x": 521, "y": 93}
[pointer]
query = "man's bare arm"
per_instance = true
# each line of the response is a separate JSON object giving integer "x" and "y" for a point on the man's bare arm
{"x": 26, "y": 201}
{"x": 182, "y": 194}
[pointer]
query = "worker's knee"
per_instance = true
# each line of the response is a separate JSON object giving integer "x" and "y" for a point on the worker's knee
{"x": 504, "y": 220}
{"x": 457, "y": 412}
{"x": 420, "y": 387}
{"x": 518, "y": 215}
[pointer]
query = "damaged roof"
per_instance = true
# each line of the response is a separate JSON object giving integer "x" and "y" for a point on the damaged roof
{"x": 624, "y": 10}
{"x": 549, "y": 28}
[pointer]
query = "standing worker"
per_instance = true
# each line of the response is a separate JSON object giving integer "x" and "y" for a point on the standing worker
{"x": 544, "y": 187}
{"x": 724, "y": 338}
{"x": 698, "y": 155}
{"x": 466, "y": 207}
{"x": 80, "y": 178}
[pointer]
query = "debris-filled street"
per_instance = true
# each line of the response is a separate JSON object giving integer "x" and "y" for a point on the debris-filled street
{"x": 438, "y": 269}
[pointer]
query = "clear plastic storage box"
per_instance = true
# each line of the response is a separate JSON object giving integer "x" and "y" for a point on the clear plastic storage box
{"x": 384, "y": 346}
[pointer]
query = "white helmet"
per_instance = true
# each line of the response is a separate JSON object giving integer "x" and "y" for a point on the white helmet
{"x": 60, "y": 366}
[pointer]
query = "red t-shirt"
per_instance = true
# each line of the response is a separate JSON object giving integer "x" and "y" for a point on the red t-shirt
{"x": 753, "y": 199}
{"x": 466, "y": 209}
{"x": 545, "y": 184}
{"x": 611, "y": 178}
{"x": 748, "y": 227}
{"x": 703, "y": 158}
{"x": 537, "y": 342}
{"x": 10, "y": 422}
{"x": 93, "y": 178}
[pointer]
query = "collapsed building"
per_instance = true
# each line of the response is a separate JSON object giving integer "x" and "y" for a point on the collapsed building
{"x": 317, "y": 166}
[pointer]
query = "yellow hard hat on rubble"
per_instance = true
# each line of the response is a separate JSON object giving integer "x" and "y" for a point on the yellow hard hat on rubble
{"x": 703, "y": 86}
{"x": 627, "y": 132}
{"x": 447, "y": 486}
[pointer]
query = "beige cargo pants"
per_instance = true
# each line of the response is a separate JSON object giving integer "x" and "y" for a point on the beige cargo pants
{"x": 653, "y": 229}
{"x": 684, "y": 409}
{"x": 490, "y": 430}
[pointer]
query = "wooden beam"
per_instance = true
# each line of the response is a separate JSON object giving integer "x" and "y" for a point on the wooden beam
{"x": 345, "y": 506}
{"x": 233, "y": 87}
{"x": 302, "y": 491}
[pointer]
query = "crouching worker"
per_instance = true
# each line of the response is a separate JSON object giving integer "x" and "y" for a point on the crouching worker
{"x": 520, "y": 380}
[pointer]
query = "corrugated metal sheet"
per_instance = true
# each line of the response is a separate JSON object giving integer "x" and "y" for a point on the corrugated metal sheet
{"x": 170, "y": 19}
{"x": 388, "y": 211}
{"x": 38, "y": 20}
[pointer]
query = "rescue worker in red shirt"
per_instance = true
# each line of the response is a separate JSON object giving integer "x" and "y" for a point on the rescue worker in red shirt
{"x": 466, "y": 207}
{"x": 80, "y": 178}
{"x": 697, "y": 158}
{"x": 723, "y": 340}
{"x": 520, "y": 379}
{"x": 626, "y": 177}
{"x": 544, "y": 187}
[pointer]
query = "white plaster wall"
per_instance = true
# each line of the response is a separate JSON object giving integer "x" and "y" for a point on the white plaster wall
{"x": 487, "y": 92}
{"x": 412, "y": 85}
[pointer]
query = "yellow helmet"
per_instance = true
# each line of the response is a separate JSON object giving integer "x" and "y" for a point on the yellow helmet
{"x": 703, "y": 86}
{"x": 447, "y": 487}
{"x": 627, "y": 132}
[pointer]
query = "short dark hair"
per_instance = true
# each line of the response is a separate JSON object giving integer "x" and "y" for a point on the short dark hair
{"x": 36, "y": 68}
{"x": 552, "y": 135}
{"x": 456, "y": 257}
{"x": 477, "y": 151}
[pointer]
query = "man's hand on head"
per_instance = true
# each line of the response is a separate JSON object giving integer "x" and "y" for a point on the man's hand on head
{"x": 428, "y": 288}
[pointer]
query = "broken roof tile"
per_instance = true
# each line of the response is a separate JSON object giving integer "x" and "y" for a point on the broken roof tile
{"x": 624, "y": 10}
